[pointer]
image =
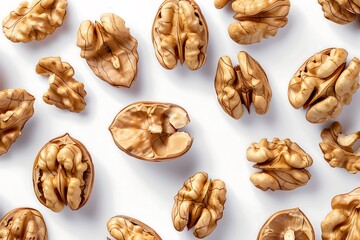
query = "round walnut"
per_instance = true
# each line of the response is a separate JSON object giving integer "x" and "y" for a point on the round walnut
{"x": 63, "y": 174}
{"x": 282, "y": 163}
{"x": 150, "y": 131}
{"x": 324, "y": 84}
{"x": 340, "y": 11}
{"x": 180, "y": 32}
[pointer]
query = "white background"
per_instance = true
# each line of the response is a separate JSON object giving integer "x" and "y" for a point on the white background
{"x": 145, "y": 190}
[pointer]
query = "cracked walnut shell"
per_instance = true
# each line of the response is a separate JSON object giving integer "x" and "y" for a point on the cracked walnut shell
{"x": 324, "y": 84}
{"x": 35, "y": 20}
{"x": 23, "y": 224}
{"x": 338, "y": 148}
{"x": 127, "y": 228}
{"x": 245, "y": 83}
{"x": 340, "y": 11}
{"x": 199, "y": 204}
{"x": 109, "y": 49}
{"x": 180, "y": 32}
{"x": 149, "y": 131}
{"x": 282, "y": 163}
{"x": 64, "y": 92}
{"x": 63, "y": 174}
{"x": 16, "y": 108}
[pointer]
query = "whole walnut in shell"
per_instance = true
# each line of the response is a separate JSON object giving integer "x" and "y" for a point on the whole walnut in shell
{"x": 340, "y": 11}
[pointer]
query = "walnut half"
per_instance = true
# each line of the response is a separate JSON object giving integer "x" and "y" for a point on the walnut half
{"x": 340, "y": 11}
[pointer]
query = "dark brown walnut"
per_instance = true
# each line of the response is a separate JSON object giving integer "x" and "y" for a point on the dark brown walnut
{"x": 324, "y": 84}
{"x": 340, "y": 11}
{"x": 64, "y": 92}
{"x": 338, "y": 148}
{"x": 23, "y": 224}
{"x": 16, "y": 108}
{"x": 127, "y": 228}
{"x": 245, "y": 83}
{"x": 289, "y": 224}
{"x": 282, "y": 163}
{"x": 63, "y": 174}
{"x": 109, "y": 49}
{"x": 199, "y": 204}
{"x": 343, "y": 221}
{"x": 35, "y": 20}
{"x": 150, "y": 131}
{"x": 180, "y": 32}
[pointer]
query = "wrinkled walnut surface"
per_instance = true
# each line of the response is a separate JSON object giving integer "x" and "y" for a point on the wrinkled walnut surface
{"x": 63, "y": 174}
{"x": 127, "y": 228}
{"x": 324, "y": 84}
{"x": 338, "y": 148}
{"x": 340, "y": 11}
{"x": 16, "y": 108}
{"x": 289, "y": 224}
{"x": 343, "y": 221}
{"x": 149, "y": 131}
{"x": 35, "y": 20}
{"x": 180, "y": 32}
{"x": 64, "y": 92}
{"x": 245, "y": 83}
{"x": 199, "y": 204}
{"x": 109, "y": 49}
{"x": 282, "y": 163}
{"x": 23, "y": 224}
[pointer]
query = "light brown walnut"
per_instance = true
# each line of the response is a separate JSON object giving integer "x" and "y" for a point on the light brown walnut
{"x": 150, "y": 131}
{"x": 340, "y": 11}
{"x": 23, "y": 224}
{"x": 35, "y": 20}
{"x": 109, "y": 49}
{"x": 289, "y": 224}
{"x": 16, "y": 108}
{"x": 64, "y": 92}
{"x": 324, "y": 84}
{"x": 282, "y": 163}
{"x": 343, "y": 221}
{"x": 199, "y": 204}
{"x": 63, "y": 174}
{"x": 245, "y": 83}
{"x": 127, "y": 228}
{"x": 338, "y": 148}
{"x": 180, "y": 32}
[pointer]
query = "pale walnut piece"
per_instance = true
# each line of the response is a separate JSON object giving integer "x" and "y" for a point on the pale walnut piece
{"x": 150, "y": 131}
{"x": 343, "y": 221}
{"x": 199, "y": 204}
{"x": 63, "y": 174}
{"x": 109, "y": 49}
{"x": 245, "y": 83}
{"x": 180, "y": 32}
{"x": 16, "y": 108}
{"x": 282, "y": 163}
{"x": 324, "y": 84}
{"x": 35, "y": 20}
{"x": 23, "y": 224}
{"x": 64, "y": 92}
{"x": 127, "y": 228}
{"x": 340, "y": 11}
{"x": 338, "y": 148}
{"x": 289, "y": 224}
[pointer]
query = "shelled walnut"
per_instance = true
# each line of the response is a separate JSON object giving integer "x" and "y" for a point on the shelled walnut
{"x": 324, "y": 84}
{"x": 35, "y": 20}
{"x": 340, "y": 11}
{"x": 64, "y": 92}
{"x": 63, "y": 174}
{"x": 16, "y": 108}
{"x": 127, "y": 228}
{"x": 150, "y": 131}
{"x": 109, "y": 49}
{"x": 180, "y": 32}
{"x": 282, "y": 163}
{"x": 245, "y": 83}
{"x": 338, "y": 148}
{"x": 289, "y": 224}
{"x": 199, "y": 204}
{"x": 342, "y": 221}
{"x": 23, "y": 224}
